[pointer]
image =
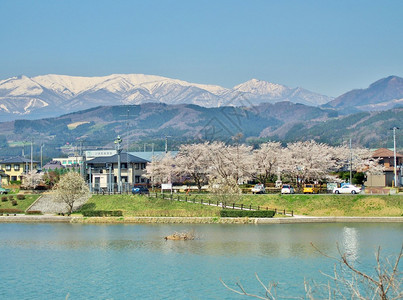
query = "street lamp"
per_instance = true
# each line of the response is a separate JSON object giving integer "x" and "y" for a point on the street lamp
{"x": 118, "y": 141}
{"x": 394, "y": 153}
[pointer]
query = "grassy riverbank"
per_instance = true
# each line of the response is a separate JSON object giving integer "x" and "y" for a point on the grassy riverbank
{"x": 142, "y": 206}
{"x": 330, "y": 205}
{"x": 22, "y": 204}
{"x": 309, "y": 205}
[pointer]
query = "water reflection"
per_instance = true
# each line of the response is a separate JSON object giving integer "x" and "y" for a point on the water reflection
{"x": 134, "y": 261}
{"x": 350, "y": 243}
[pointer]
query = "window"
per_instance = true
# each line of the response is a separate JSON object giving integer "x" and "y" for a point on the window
{"x": 143, "y": 166}
{"x": 136, "y": 166}
{"x": 16, "y": 167}
{"x": 8, "y": 167}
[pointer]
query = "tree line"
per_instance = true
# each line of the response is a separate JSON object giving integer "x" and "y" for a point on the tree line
{"x": 220, "y": 164}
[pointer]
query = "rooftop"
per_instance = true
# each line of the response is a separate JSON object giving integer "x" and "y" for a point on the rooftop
{"x": 384, "y": 152}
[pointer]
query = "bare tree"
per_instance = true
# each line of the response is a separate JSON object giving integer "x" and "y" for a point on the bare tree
{"x": 356, "y": 284}
{"x": 226, "y": 190}
{"x": 347, "y": 281}
{"x": 70, "y": 189}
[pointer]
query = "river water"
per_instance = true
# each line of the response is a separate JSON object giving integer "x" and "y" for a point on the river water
{"x": 52, "y": 261}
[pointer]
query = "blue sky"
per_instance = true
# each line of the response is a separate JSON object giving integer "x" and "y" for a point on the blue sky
{"x": 328, "y": 47}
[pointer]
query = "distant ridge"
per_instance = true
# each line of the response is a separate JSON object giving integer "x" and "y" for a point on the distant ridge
{"x": 52, "y": 95}
{"x": 383, "y": 94}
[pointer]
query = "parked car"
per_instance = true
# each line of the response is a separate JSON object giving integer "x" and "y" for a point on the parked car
{"x": 140, "y": 190}
{"x": 347, "y": 189}
{"x": 287, "y": 189}
{"x": 311, "y": 189}
{"x": 4, "y": 191}
{"x": 258, "y": 189}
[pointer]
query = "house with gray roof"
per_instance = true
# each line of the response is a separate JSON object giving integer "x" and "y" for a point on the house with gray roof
{"x": 15, "y": 168}
{"x": 103, "y": 172}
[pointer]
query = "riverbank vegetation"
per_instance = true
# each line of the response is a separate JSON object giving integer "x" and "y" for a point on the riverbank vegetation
{"x": 309, "y": 205}
{"x": 329, "y": 204}
{"x": 20, "y": 202}
{"x": 143, "y": 206}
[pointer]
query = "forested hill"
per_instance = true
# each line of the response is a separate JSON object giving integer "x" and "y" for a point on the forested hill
{"x": 151, "y": 122}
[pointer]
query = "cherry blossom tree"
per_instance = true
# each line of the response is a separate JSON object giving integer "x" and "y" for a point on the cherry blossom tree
{"x": 31, "y": 180}
{"x": 71, "y": 189}
{"x": 309, "y": 161}
{"x": 161, "y": 169}
{"x": 266, "y": 160}
{"x": 193, "y": 161}
{"x": 231, "y": 163}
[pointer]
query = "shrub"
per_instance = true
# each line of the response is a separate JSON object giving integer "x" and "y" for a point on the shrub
{"x": 20, "y": 197}
{"x": 102, "y": 213}
{"x": 10, "y": 211}
{"x": 33, "y": 212}
{"x": 4, "y": 199}
{"x": 14, "y": 202}
{"x": 229, "y": 213}
{"x": 11, "y": 197}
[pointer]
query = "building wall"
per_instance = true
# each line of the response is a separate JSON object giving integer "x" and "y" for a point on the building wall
{"x": 69, "y": 161}
{"x": 15, "y": 170}
{"x": 134, "y": 174}
{"x": 375, "y": 180}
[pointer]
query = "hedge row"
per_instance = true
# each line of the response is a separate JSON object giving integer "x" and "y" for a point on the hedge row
{"x": 229, "y": 213}
{"x": 33, "y": 212}
{"x": 10, "y": 211}
{"x": 102, "y": 213}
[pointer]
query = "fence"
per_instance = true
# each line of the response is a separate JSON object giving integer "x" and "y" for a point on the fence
{"x": 225, "y": 205}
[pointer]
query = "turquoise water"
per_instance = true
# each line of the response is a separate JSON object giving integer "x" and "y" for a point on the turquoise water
{"x": 51, "y": 261}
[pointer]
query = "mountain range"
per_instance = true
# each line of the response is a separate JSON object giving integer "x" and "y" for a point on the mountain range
{"x": 54, "y": 95}
{"x": 253, "y": 109}
{"x": 150, "y": 123}
{"x": 383, "y": 94}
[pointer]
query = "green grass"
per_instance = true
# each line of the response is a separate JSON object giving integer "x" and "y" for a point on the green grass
{"x": 325, "y": 204}
{"x": 21, "y": 204}
{"x": 142, "y": 206}
{"x": 311, "y": 205}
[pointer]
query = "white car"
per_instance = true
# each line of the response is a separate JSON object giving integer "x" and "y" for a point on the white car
{"x": 287, "y": 189}
{"x": 347, "y": 189}
{"x": 258, "y": 189}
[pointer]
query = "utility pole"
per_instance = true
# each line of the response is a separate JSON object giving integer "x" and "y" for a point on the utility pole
{"x": 83, "y": 161}
{"x": 394, "y": 153}
{"x": 351, "y": 164}
{"x": 118, "y": 141}
{"x": 32, "y": 147}
{"x": 166, "y": 143}
{"x": 42, "y": 155}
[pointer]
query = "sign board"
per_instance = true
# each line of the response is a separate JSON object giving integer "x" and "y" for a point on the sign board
{"x": 99, "y": 153}
{"x": 166, "y": 186}
{"x": 331, "y": 186}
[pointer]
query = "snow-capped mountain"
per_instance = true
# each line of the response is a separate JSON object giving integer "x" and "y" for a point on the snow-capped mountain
{"x": 52, "y": 95}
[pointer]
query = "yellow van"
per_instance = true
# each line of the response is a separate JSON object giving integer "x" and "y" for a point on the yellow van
{"x": 311, "y": 189}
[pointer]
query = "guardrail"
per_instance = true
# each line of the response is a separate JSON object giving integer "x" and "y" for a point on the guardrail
{"x": 224, "y": 205}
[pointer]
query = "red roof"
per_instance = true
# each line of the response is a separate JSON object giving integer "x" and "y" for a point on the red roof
{"x": 383, "y": 152}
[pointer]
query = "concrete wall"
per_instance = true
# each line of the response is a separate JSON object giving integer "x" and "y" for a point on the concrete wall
{"x": 375, "y": 180}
